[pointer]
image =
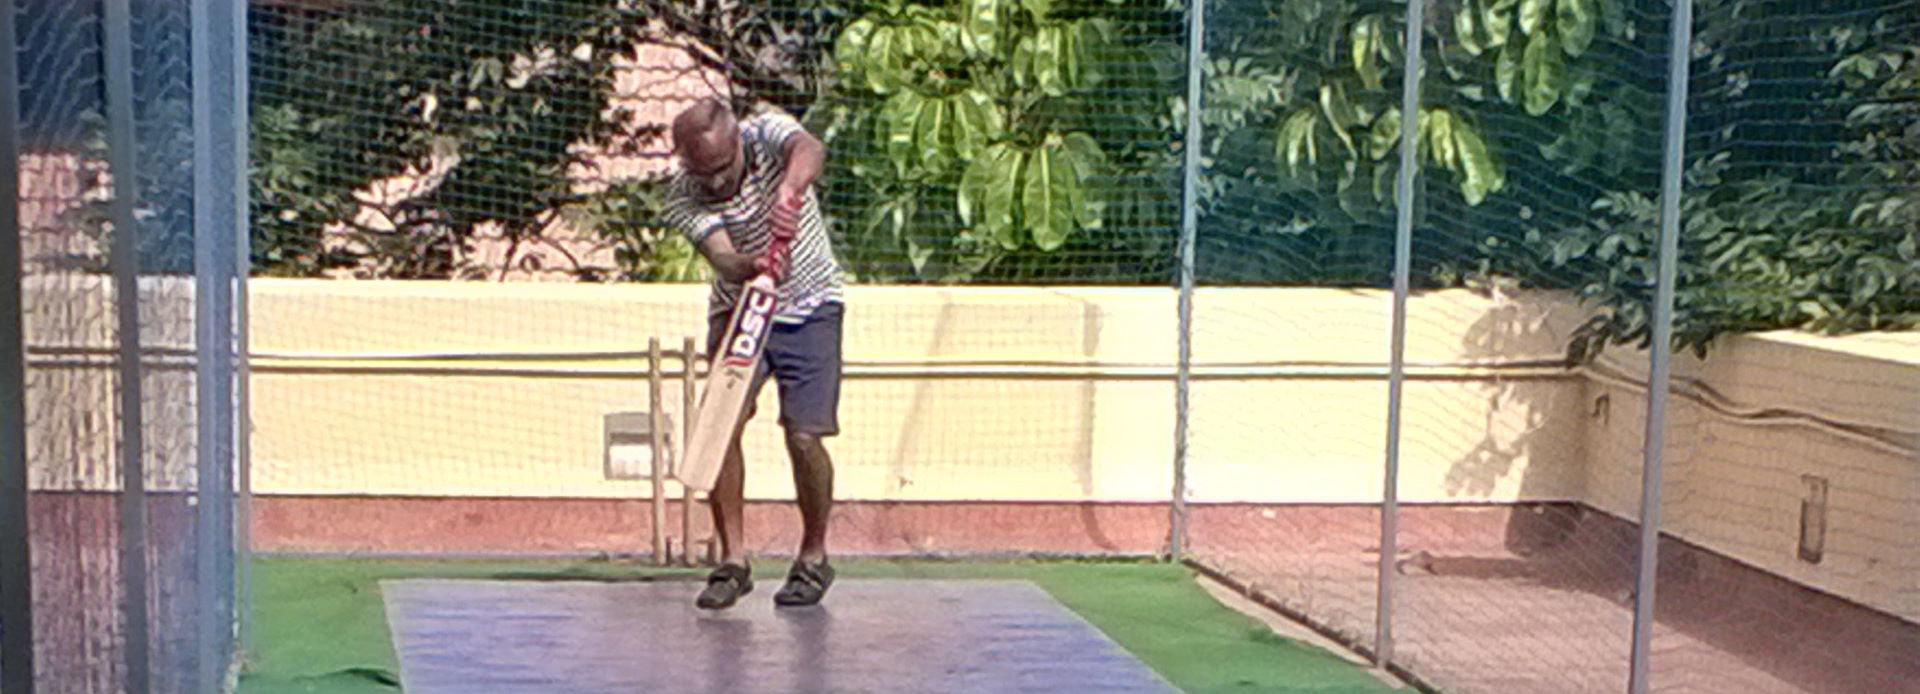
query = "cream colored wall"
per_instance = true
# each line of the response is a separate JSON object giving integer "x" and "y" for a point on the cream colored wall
{"x": 72, "y": 382}
{"x": 1478, "y": 423}
{"x": 1747, "y": 423}
{"x": 1482, "y": 432}
{"x": 949, "y": 397}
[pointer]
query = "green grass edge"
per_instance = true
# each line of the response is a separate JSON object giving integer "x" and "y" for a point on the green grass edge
{"x": 319, "y": 624}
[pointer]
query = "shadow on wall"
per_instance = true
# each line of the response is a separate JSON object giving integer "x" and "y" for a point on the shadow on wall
{"x": 1733, "y": 617}
{"x": 1512, "y": 332}
{"x": 930, "y": 405}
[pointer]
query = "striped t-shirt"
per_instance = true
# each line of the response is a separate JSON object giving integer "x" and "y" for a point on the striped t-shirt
{"x": 813, "y": 275}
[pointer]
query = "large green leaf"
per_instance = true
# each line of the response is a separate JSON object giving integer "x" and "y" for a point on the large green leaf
{"x": 1497, "y": 19}
{"x": 988, "y": 193}
{"x": 1540, "y": 75}
{"x": 1438, "y": 134}
{"x": 948, "y": 46}
{"x": 1366, "y": 50}
{"x": 1040, "y": 8}
{"x": 980, "y": 27}
{"x": 1466, "y": 27}
{"x": 898, "y": 119}
{"x": 1385, "y": 135}
{"x": 1067, "y": 38}
{"x": 1533, "y": 16}
{"x": 850, "y": 51}
{"x": 1047, "y": 197}
{"x": 932, "y": 137}
{"x": 1002, "y": 195}
{"x": 1506, "y": 73}
{"x": 1340, "y": 114}
{"x": 971, "y": 197}
{"x": 1575, "y": 21}
{"x": 1440, "y": 139}
{"x": 1047, "y": 61}
{"x": 975, "y": 190}
{"x": 976, "y": 122}
{"x": 1481, "y": 175}
{"x": 1295, "y": 145}
{"x": 1023, "y": 71}
{"x": 880, "y": 59}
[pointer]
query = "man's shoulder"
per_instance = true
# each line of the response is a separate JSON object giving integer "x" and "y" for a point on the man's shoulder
{"x": 678, "y": 193}
{"x": 770, "y": 124}
{"x": 768, "y": 113}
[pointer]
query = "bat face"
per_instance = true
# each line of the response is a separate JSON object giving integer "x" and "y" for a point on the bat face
{"x": 749, "y": 330}
{"x": 728, "y": 384}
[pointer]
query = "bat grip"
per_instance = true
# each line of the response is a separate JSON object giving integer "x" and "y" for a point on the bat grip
{"x": 785, "y": 225}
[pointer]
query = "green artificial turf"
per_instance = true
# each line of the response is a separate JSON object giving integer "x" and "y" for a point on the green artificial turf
{"x": 319, "y": 625}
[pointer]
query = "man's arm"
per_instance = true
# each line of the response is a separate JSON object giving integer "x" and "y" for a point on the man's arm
{"x": 806, "y": 158}
{"x": 733, "y": 266}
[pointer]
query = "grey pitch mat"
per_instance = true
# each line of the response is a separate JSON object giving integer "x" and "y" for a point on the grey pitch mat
{"x": 472, "y": 636}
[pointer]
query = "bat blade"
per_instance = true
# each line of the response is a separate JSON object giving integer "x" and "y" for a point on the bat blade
{"x": 723, "y": 398}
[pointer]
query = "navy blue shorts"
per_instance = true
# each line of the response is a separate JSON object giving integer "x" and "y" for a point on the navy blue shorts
{"x": 804, "y": 360}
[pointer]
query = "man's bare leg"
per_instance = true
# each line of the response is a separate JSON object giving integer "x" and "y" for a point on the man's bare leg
{"x": 728, "y": 503}
{"x": 810, "y": 576}
{"x": 727, "y": 500}
{"x": 813, "y": 485}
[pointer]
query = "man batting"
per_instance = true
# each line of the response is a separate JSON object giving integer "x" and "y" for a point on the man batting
{"x": 743, "y": 185}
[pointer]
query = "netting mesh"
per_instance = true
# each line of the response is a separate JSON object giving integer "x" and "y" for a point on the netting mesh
{"x": 1007, "y": 151}
{"x": 1004, "y": 189}
{"x": 120, "y": 581}
{"x": 1293, "y": 198}
{"x": 512, "y": 140}
{"x": 1532, "y": 594}
{"x": 1784, "y": 490}
{"x": 71, "y": 419}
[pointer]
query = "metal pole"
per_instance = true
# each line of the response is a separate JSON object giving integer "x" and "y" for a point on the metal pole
{"x": 687, "y": 397}
{"x": 1189, "y": 223}
{"x": 217, "y": 200}
{"x": 1654, "y": 450}
{"x": 1396, "y": 359}
{"x": 16, "y": 565}
{"x": 657, "y": 434}
{"x": 242, "y": 267}
{"x": 125, "y": 262}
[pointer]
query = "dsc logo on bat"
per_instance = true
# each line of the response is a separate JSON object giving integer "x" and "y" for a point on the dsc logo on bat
{"x": 749, "y": 327}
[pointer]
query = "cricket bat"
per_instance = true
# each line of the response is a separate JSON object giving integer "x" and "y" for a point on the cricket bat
{"x": 730, "y": 376}
{"x": 729, "y": 380}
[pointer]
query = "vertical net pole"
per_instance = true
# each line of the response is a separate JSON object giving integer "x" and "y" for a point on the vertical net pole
{"x": 687, "y": 390}
{"x": 1653, "y": 452}
{"x": 1189, "y": 220}
{"x": 125, "y": 262}
{"x": 217, "y": 201}
{"x": 243, "y": 371}
{"x": 656, "y": 444}
{"x": 16, "y": 575}
{"x": 1396, "y": 360}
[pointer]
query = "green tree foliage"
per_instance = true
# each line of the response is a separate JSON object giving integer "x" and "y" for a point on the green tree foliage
{"x": 1799, "y": 206}
{"x": 1316, "y": 84}
{"x": 1037, "y": 141}
{"x": 483, "y": 105}
{"x": 990, "y": 140}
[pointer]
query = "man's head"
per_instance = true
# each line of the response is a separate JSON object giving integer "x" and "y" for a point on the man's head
{"x": 707, "y": 140}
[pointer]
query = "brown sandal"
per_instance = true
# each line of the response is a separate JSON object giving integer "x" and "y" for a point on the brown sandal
{"x": 725, "y": 586}
{"x": 806, "y": 584}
